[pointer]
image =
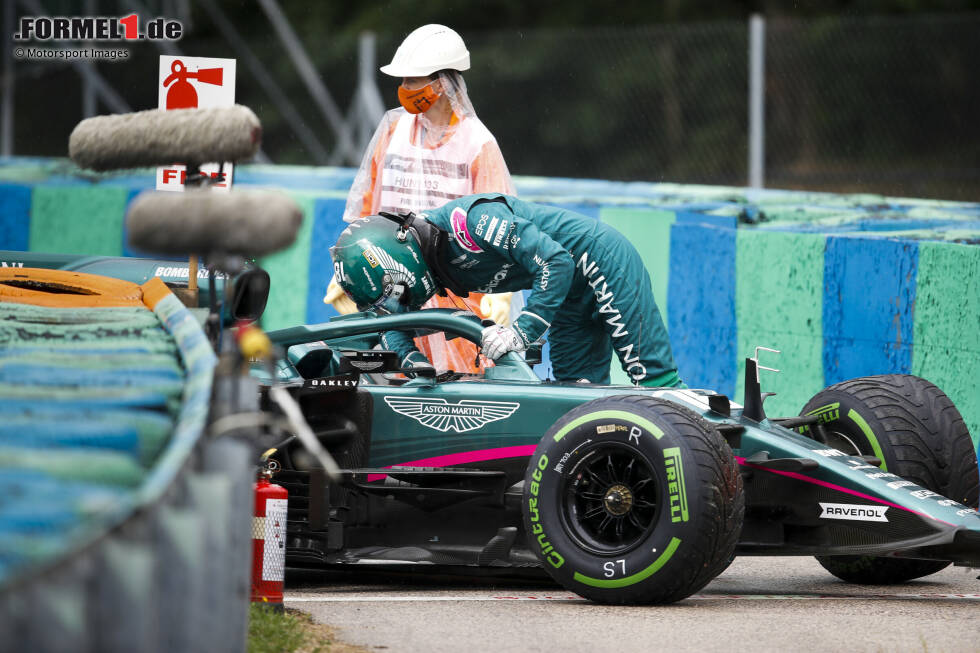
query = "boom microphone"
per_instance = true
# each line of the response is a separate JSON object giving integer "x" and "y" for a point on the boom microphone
{"x": 158, "y": 138}
{"x": 249, "y": 223}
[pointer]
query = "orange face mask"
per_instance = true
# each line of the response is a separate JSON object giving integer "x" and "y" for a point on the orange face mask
{"x": 419, "y": 100}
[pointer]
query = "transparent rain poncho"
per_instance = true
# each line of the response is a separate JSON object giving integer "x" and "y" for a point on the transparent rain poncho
{"x": 414, "y": 163}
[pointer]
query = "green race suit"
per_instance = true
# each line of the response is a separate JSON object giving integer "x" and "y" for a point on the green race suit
{"x": 587, "y": 282}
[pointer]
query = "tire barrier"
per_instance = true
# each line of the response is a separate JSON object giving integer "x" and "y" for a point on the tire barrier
{"x": 124, "y": 526}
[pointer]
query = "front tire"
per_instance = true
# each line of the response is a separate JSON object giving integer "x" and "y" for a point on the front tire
{"x": 633, "y": 499}
{"x": 918, "y": 434}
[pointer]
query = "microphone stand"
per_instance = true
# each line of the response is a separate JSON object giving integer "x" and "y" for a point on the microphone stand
{"x": 194, "y": 179}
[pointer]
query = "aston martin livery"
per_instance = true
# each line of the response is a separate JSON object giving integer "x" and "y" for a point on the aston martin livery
{"x": 622, "y": 494}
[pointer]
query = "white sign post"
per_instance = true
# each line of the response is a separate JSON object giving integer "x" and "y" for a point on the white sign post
{"x": 195, "y": 83}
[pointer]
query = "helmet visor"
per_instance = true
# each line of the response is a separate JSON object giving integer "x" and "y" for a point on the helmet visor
{"x": 391, "y": 302}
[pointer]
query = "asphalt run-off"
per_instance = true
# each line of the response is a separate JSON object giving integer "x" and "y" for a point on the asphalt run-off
{"x": 757, "y": 604}
{"x": 696, "y": 597}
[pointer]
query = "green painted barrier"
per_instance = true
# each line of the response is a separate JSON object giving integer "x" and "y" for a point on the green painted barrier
{"x": 778, "y": 300}
{"x": 947, "y": 325}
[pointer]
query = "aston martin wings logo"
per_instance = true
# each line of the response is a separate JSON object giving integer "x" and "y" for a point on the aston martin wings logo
{"x": 442, "y": 415}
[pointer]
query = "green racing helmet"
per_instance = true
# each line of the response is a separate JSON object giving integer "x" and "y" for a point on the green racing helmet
{"x": 379, "y": 265}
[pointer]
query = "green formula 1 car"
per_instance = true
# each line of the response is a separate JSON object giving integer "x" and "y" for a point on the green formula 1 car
{"x": 622, "y": 494}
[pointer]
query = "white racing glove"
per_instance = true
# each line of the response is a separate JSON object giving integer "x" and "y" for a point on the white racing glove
{"x": 498, "y": 340}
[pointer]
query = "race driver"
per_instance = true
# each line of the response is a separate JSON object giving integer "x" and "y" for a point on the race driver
{"x": 589, "y": 288}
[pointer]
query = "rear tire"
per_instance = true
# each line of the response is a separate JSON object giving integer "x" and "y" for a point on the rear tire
{"x": 918, "y": 434}
{"x": 637, "y": 501}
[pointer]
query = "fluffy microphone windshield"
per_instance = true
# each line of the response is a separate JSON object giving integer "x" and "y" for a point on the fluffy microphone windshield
{"x": 250, "y": 223}
{"x": 158, "y": 138}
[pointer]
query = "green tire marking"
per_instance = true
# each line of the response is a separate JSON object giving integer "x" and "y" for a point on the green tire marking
{"x": 610, "y": 414}
{"x": 635, "y": 578}
{"x": 824, "y": 409}
{"x": 868, "y": 433}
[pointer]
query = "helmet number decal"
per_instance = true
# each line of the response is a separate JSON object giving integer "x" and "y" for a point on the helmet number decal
{"x": 462, "y": 235}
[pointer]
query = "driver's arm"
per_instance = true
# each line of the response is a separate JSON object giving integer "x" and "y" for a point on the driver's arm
{"x": 527, "y": 246}
{"x": 402, "y": 344}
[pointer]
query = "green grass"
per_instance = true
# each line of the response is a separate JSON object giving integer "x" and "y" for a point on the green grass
{"x": 270, "y": 631}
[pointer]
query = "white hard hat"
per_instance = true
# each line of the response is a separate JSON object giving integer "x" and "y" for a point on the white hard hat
{"x": 426, "y": 50}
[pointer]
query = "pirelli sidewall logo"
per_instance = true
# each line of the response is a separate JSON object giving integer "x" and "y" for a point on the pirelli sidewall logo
{"x": 676, "y": 488}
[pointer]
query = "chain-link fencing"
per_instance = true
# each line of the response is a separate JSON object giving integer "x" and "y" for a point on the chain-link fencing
{"x": 882, "y": 105}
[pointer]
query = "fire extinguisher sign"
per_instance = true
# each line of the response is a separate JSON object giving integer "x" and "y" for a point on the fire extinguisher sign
{"x": 190, "y": 83}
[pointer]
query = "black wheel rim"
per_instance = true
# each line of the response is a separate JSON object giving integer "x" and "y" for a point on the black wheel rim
{"x": 610, "y": 499}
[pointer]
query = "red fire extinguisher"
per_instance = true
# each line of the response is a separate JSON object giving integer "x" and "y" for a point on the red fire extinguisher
{"x": 269, "y": 539}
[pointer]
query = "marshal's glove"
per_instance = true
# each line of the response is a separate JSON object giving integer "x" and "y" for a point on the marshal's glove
{"x": 337, "y": 298}
{"x": 498, "y": 340}
{"x": 497, "y": 307}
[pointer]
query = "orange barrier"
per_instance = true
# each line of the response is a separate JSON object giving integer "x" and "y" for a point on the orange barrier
{"x": 65, "y": 289}
{"x": 153, "y": 291}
